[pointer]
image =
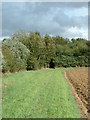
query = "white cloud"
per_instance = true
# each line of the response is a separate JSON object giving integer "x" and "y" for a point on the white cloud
{"x": 77, "y": 32}
{"x": 1, "y": 38}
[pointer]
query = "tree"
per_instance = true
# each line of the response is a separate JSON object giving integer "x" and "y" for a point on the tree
{"x": 33, "y": 51}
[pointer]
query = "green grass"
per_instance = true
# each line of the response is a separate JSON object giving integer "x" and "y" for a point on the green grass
{"x": 38, "y": 94}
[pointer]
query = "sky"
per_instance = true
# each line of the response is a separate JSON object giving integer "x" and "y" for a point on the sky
{"x": 66, "y": 19}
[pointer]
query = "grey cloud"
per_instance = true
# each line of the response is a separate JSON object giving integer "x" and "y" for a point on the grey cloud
{"x": 40, "y": 7}
{"x": 65, "y": 20}
{"x": 45, "y": 0}
{"x": 44, "y": 17}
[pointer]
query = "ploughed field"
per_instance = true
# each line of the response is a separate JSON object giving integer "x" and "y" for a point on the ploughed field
{"x": 38, "y": 94}
{"x": 79, "y": 79}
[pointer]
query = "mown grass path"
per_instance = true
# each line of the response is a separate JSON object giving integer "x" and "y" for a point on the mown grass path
{"x": 38, "y": 94}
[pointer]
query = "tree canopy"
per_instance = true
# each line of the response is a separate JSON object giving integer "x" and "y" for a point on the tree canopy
{"x": 32, "y": 51}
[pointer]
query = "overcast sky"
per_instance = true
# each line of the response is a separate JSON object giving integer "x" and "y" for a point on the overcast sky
{"x": 65, "y": 19}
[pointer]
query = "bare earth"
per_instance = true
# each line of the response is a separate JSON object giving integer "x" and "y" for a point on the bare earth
{"x": 78, "y": 78}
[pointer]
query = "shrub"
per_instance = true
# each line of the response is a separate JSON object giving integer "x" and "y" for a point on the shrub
{"x": 15, "y": 55}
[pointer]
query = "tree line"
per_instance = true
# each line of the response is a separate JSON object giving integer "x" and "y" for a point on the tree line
{"x": 33, "y": 51}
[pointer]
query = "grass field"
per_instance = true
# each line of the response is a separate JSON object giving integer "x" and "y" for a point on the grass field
{"x": 38, "y": 94}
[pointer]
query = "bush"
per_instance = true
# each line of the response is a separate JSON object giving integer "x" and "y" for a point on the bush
{"x": 15, "y": 55}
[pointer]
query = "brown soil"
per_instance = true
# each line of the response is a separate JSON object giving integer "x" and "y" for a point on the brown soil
{"x": 78, "y": 78}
